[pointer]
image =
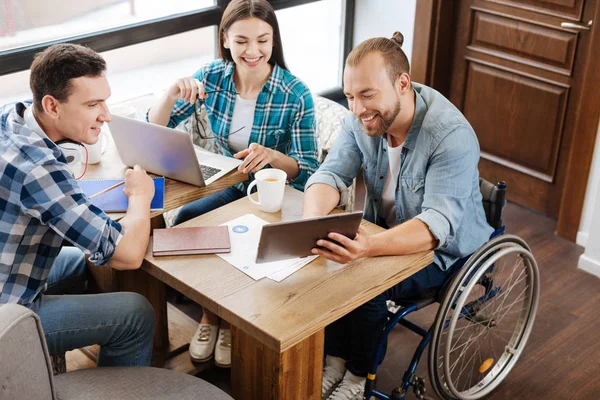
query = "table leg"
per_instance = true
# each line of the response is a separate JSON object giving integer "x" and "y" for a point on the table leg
{"x": 259, "y": 372}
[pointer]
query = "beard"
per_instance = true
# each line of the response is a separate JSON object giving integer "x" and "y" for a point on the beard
{"x": 385, "y": 119}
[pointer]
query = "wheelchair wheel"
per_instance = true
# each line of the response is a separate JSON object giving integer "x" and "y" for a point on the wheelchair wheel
{"x": 484, "y": 320}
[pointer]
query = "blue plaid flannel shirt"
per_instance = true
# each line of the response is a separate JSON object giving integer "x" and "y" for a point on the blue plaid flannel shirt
{"x": 41, "y": 205}
{"x": 284, "y": 118}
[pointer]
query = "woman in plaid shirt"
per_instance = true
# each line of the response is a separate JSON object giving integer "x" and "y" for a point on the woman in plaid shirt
{"x": 257, "y": 110}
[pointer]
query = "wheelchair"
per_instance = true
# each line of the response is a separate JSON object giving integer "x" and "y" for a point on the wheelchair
{"x": 487, "y": 309}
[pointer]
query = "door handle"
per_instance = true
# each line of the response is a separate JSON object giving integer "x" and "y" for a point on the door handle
{"x": 570, "y": 25}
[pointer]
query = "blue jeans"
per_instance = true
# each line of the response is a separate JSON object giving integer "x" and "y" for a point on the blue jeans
{"x": 354, "y": 337}
{"x": 208, "y": 203}
{"x": 121, "y": 323}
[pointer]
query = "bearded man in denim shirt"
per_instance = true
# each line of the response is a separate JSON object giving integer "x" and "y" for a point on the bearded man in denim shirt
{"x": 419, "y": 159}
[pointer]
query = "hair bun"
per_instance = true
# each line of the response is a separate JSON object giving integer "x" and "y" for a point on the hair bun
{"x": 398, "y": 38}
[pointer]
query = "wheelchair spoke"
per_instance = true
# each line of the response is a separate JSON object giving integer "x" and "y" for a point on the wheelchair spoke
{"x": 461, "y": 335}
{"x": 462, "y": 345}
{"x": 495, "y": 333}
{"x": 513, "y": 312}
{"x": 465, "y": 349}
{"x": 520, "y": 298}
{"x": 470, "y": 324}
{"x": 472, "y": 369}
{"x": 468, "y": 362}
{"x": 470, "y": 380}
{"x": 501, "y": 307}
{"x": 500, "y": 298}
{"x": 470, "y": 377}
{"x": 505, "y": 293}
{"x": 477, "y": 352}
{"x": 492, "y": 346}
{"x": 510, "y": 284}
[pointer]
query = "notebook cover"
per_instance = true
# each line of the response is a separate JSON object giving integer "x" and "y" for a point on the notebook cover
{"x": 194, "y": 240}
{"x": 115, "y": 200}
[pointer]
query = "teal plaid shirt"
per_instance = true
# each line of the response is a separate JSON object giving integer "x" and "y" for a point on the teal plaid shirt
{"x": 284, "y": 118}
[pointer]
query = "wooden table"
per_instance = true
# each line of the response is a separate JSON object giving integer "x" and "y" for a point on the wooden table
{"x": 105, "y": 279}
{"x": 278, "y": 328}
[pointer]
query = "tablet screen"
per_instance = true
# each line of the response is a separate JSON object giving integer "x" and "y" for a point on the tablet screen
{"x": 290, "y": 239}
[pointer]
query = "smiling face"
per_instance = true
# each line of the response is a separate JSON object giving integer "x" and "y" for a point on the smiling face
{"x": 250, "y": 41}
{"x": 83, "y": 113}
{"x": 371, "y": 95}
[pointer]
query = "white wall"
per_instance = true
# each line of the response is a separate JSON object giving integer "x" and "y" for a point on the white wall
{"x": 591, "y": 198}
{"x": 590, "y": 260}
{"x": 373, "y": 18}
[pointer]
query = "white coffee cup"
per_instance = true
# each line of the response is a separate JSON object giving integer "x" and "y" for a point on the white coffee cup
{"x": 94, "y": 151}
{"x": 271, "y": 185}
{"x": 124, "y": 111}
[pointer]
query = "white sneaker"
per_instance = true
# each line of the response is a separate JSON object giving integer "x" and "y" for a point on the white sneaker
{"x": 203, "y": 342}
{"x": 223, "y": 349}
{"x": 352, "y": 387}
{"x": 333, "y": 372}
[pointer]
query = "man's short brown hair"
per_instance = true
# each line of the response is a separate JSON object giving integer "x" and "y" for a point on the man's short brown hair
{"x": 391, "y": 50}
{"x": 54, "y": 68}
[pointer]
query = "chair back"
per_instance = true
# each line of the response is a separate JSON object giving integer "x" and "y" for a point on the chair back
{"x": 328, "y": 122}
{"x": 25, "y": 371}
{"x": 494, "y": 200}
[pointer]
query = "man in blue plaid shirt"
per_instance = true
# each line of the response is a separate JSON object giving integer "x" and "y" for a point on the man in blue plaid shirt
{"x": 42, "y": 207}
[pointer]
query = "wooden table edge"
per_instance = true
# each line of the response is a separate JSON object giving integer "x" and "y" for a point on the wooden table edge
{"x": 300, "y": 334}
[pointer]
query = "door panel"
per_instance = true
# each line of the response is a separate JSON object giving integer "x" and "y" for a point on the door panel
{"x": 526, "y": 138}
{"x": 516, "y": 76}
{"x": 524, "y": 42}
{"x": 571, "y": 9}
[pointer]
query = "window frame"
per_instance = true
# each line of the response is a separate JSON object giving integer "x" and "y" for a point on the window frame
{"x": 20, "y": 59}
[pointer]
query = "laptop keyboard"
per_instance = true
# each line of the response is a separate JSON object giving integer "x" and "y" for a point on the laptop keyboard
{"x": 208, "y": 172}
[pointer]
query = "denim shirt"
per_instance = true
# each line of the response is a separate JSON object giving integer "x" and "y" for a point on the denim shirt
{"x": 438, "y": 181}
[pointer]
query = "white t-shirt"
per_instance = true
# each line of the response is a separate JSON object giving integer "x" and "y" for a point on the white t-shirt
{"x": 387, "y": 209}
{"x": 242, "y": 118}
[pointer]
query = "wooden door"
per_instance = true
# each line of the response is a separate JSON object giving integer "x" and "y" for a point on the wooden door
{"x": 517, "y": 76}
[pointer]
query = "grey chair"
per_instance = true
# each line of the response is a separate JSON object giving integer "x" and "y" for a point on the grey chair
{"x": 26, "y": 373}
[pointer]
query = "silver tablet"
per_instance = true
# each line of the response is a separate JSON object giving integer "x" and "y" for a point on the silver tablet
{"x": 283, "y": 240}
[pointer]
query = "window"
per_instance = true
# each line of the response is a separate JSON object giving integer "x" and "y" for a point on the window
{"x": 138, "y": 69}
{"x": 153, "y": 66}
{"x": 28, "y": 22}
{"x": 313, "y": 51}
{"x": 148, "y": 44}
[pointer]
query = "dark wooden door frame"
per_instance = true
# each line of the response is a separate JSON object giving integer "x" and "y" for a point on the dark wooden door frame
{"x": 431, "y": 65}
{"x": 584, "y": 140}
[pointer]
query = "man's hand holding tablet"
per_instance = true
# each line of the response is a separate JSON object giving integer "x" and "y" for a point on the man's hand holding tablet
{"x": 342, "y": 249}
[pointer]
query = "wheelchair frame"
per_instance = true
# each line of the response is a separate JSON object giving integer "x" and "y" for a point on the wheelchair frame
{"x": 493, "y": 208}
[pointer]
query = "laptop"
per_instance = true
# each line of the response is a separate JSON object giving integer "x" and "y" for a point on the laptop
{"x": 168, "y": 152}
{"x": 284, "y": 240}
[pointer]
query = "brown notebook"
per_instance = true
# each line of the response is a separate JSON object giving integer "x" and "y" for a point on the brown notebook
{"x": 195, "y": 240}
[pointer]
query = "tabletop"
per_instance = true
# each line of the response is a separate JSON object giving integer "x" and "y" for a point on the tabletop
{"x": 280, "y": 314}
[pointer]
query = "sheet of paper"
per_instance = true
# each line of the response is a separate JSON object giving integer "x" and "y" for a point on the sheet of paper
{"x": 284, "y": 273}
{"x": 244, "y": 234}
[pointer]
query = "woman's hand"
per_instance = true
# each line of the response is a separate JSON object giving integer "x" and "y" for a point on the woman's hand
{"x": 346, "y": 249}
{"x": 186, "y": 89}
{"x": 256, "y": 157}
